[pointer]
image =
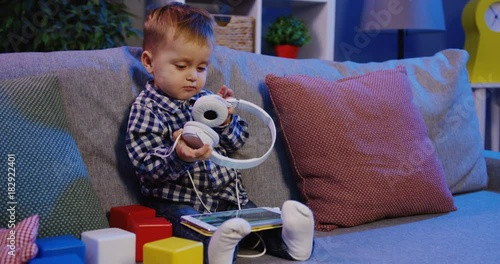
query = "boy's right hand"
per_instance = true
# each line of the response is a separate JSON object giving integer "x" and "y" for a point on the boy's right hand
{"x": 188, "y": 154}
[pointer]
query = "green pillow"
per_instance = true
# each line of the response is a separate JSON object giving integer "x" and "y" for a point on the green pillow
{"x": 44, "y": 172}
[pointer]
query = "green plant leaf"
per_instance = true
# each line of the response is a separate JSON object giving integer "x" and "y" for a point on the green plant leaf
{"x": 66, "y": 24}
{"x": 288, "y": 30}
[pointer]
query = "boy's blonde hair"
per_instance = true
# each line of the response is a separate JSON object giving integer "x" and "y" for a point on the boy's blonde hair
{"x": 194, "y": 24}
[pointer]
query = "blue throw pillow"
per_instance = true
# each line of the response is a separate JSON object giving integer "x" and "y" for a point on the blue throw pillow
{"x": 44, "y": 173}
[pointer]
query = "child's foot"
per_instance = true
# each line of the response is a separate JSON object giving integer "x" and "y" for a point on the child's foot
{"x": 224, "y": 240}
{"x": 298, "y": 229}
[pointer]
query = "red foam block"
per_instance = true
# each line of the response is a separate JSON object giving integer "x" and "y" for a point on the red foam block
{"x": 120, "y": 216}
{"x": 148, "y": 230}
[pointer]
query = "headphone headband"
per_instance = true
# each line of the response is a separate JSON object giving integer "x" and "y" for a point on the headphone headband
{"x": 198, "y": 132}
{"x": 264, "y": 117}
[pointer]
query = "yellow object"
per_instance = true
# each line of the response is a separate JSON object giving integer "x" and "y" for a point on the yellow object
{"x": 173, "y": 250}
{"x": 481, "y": 22}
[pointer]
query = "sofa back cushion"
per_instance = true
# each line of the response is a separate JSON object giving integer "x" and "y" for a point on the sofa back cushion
{"x": 97, "y": 88}
{"x": 441, "y": 92}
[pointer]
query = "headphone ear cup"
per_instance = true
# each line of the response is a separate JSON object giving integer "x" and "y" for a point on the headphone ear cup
{"x": 197, "y": 134}
{"x": 210, "y": 110}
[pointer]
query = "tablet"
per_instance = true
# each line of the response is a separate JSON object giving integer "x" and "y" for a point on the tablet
{"x": 260, "y": 218}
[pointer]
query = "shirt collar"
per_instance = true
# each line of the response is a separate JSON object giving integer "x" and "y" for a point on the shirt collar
{"x": 172, "y": 105}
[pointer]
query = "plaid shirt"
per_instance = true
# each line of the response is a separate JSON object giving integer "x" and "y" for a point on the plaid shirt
{"x": 153, "y": 119}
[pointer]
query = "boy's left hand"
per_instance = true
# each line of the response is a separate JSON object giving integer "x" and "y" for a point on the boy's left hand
{"x": 225, "y": 92}
{"x": 188, "y": 154}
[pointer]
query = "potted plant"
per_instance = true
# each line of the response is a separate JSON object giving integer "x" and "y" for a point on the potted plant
{"x": 35, "y": 25}
{"x": 287, "y": 34}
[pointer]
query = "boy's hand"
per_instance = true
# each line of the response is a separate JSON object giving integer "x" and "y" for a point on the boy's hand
{"x": 226, "y": 93}
{"x": 188, "y": 154}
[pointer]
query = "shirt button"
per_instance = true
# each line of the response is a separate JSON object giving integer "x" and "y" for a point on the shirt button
{"x": 177, "y": 167}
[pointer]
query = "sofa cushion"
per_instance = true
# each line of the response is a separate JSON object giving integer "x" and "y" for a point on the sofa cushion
{"x": 359, "y": 147}
{"x": 47, "y": 175}
{"x": 469, "y": 235}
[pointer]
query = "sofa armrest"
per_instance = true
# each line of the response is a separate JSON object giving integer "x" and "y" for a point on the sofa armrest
{"x": 493, "y": 167}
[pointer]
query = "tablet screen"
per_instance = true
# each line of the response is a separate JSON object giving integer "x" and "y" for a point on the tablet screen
{"x": 254, "y": 216}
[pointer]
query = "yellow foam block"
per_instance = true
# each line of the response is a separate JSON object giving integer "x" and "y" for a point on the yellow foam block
{"x": 173, "y": 250}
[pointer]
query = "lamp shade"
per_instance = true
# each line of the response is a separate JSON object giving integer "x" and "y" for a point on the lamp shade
{"x": 402, "y": 14}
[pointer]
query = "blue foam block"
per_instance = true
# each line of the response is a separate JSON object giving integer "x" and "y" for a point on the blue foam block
{"x": 60, "y": 245}
{"x": 61, "y": 259}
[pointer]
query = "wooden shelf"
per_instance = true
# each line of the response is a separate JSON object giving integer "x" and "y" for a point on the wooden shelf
{"x": 319, "y": 16}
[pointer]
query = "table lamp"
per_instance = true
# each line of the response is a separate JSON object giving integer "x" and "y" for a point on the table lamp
{"x": 402, "y": 16}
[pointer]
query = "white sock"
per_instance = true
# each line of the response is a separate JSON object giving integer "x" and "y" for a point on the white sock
{"x": 224, "y": 240}
{"x": 298, "y": 229}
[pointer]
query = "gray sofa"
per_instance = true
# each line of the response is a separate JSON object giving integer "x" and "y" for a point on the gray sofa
{"x": 90, "y": 95}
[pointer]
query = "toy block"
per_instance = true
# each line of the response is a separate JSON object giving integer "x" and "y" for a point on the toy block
{"x": 61, "y": 259}
{"x": 148, "y": 230}
{"x": 121, "y": 215}
{"x": 173, "y": 250}
{"x": 60, "y": 245}
{"x": 109, "y": 245}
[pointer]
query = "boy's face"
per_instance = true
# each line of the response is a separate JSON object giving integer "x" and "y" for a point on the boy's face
{"x": 179, "y": 67}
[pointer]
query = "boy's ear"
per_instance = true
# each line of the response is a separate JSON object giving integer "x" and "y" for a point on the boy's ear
{"x": 146, "y": 59}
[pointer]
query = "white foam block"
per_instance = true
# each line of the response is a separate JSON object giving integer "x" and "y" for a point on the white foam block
{"x": 109, "y": 245}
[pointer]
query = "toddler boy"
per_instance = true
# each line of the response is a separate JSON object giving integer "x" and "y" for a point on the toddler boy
{"x": 180, "y": 180}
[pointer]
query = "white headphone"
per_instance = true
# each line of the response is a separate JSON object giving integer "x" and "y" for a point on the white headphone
{"x": 211, "y": 111}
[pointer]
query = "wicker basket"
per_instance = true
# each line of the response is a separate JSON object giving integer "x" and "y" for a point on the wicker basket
{"x": 235, "y": 32}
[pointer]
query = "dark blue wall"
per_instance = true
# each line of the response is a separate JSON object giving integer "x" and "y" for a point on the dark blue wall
{"x": 349, "y": 45}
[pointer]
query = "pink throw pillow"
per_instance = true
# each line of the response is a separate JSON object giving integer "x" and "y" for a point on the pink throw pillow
{"x": 359, "y": 148}
{"x": 18, "y": 242}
